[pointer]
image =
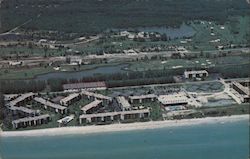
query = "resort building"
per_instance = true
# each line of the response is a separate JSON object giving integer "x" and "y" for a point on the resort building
{"x": 123, "y": 103}
{"x": 31, "y": 121}
{"x": 23, "y": 111}
{"x": 91, "y": 107}
{"x": 96, "y": 96}
{"x": 114, "y": 116}
{"x": 51, "y": 106}
{"x": 243, "y": 91}
{"x": 86, "y": 85}
{"x": 15, "y": 63}
{"x": 74, "y": 60}
{"x": 195, "y": 74}
{"x": 71, "y": 98}
{"x": 22, "y": 99}
{"x": 173, "y": 99}
{"x": 10, "y": 97}
{"x": 142, "y": 98}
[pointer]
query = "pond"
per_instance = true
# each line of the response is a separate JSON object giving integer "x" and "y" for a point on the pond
{"x": 183, "y": 31}
{"x": 85, "y": 73}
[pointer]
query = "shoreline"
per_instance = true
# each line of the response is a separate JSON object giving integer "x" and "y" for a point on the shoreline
{"x": 94, "y": 129}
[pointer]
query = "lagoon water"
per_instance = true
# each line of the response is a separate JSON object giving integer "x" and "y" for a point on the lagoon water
{"x": 229, "y": 140}
{"x": 183, "y": 31}
{"x": 84, "y": 73}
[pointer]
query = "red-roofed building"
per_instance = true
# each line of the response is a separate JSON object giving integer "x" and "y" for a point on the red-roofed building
{"x": 86, "y": 85}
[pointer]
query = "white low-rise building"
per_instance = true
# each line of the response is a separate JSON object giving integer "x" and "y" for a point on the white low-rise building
{"x": 70, "y": 99}
{"x": 91, "y": 107}
{"x": 123, "y": 103}
{"x": 195, "y": 74}
{"x": 173, "y": 99}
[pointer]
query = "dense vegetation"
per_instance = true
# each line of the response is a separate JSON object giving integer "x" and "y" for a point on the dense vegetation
{"x": 94, "y": 16}
{"x": 131, "y": 78}
{"x": 21, "y": 86}
{"x": 216, "y": 111}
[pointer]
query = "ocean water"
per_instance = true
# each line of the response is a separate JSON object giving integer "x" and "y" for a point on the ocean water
{"x": 229, "y": 140}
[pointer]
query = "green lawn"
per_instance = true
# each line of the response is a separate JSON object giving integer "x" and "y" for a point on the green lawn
{"x": 23, "y": 50}
{"x": 184, "y": 63}
{"x": 156, "y": 111}
{"x": 209, "y": 87}
{"x": 26, "y": 73}
{"x": 236, "y": 31}
{"x": 23, "y": 73}
{"x": 227, "y": 110}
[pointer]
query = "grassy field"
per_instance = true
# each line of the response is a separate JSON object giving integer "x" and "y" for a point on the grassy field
{"x": 27, "y": 73}
{"x": 227, "y": 110}
{"x": 224, "y": 64}
{"x": 155, "y": 112}
{"x": 210, "y": 87}
{"x": 22, "y": 50}
{"x": 235, "y": 31}
{"x": 184, "y": 63}
{"x": 23, "y": 73}
{"x": 234, "y": 109}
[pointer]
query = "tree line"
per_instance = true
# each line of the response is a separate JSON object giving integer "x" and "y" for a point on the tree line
{"x": 93, "y": 16}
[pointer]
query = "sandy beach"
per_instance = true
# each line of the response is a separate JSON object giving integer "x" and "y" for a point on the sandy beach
{"x": 123, "y": 127}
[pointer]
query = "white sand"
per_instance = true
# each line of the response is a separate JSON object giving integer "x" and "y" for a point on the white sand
{"x": 123, "y": 127}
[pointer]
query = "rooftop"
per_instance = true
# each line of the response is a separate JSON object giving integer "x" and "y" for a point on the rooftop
{"x": 69, "y": 97}
{"x": 23, "y": 109}
{"x": 143, "y": 96}
{"x": 241, "y": 87}
{"x": 66, "y": 119}
{"x": 195, "y": 72}
{"x": 27, "y": 119}
{"x": 84, "y": 85}
{"x": 21, "y": 98}
{"x": 96, "y": 95}
{"x": 173, "y": 98}
{"x": 114, "y": 113}
{"x": 123, "y": 102}
{"x": 49, "y": 104}
{"x": 8, "y": 97}
{"x": 91, "y": 105}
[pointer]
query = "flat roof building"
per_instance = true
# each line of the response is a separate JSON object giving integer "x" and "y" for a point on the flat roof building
{"x": 65, "y": 120}
{"x": 49, "y": 105}
{"x": 141, "y": 98}
{"x": 86, "y": 85}
{"x": 195, "y": 74}
{"x": 173, "y": 99}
